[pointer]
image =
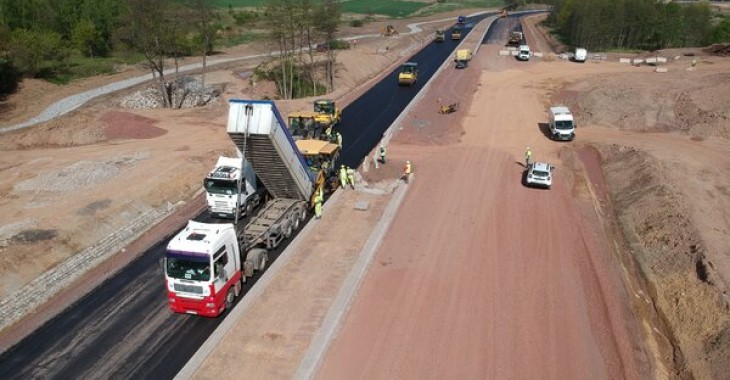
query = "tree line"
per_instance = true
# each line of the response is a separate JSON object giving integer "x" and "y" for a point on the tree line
{"x": 637, "y": 24}
{"x": 37, "y": 37}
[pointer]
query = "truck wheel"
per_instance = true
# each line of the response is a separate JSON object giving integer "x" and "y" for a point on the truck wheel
{"x": 230, "y": 297}
{"x": 264, "y": 260}
{"x": 296, "y": 221}
{"x": 287, "y": 231}
{"x": 238, "y": 287}
{"x": 249, "y": 208}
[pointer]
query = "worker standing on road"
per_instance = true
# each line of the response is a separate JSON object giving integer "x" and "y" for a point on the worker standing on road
{"x": 382, "y": 154}
{"x": 318, "y": 207}
{"x": 351, "y": 177}
{"x": 528, "y": 157}
{"x": 328, "y": 133}
{"x": 343, "y": 176}
{"x": 339, "y": 139}
{"x": 407, "y": 170}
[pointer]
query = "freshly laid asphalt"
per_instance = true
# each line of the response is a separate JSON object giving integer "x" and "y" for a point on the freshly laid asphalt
{"x": 123, "y": 329}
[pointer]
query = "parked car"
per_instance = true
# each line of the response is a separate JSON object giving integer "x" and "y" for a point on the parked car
{"x": 539, "y": 174}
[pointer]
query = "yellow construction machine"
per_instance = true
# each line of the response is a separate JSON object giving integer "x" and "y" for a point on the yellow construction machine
{"x": 327, "y": 113}
{"x": 503, "y": 13}
{"x": 303, "y": 125}
{"x": 321, "y": 157}
{"x": 449, "y": 108}
{"x": 456, "y": 34}
{"x": 408, "y": 74}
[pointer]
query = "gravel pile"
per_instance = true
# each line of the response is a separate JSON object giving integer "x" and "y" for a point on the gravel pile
{"x": 78, "y": 175}
{"x": 185, "y": 92}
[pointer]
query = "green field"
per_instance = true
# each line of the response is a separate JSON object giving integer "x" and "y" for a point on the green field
{"x": 392, "y": 8}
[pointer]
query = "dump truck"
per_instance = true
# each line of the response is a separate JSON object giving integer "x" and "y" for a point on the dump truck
{"x": 408, "y": 74}
{"x": 327, "y": 113}
{"x": 206, "y": 264}
{"x": 463, "y": 55}
{"x": 455, "y": 34}
{"x": 515, "y": 38}
{"x": 225, "y": 196}
{"x": 440, "y": 35}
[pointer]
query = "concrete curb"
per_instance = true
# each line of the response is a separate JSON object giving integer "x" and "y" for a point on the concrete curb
{"x": 312, "y": 360}
{"x": 188, "y": 371}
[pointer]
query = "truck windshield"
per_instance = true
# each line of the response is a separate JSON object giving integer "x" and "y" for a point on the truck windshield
{"x": 322, "y": 108}
{"x": 220, "y": 186}
{"x": 566, "y": 124}
{"x": 188, "y": 267}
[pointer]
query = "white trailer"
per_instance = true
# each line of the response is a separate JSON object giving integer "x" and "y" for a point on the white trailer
{"x": 206, "y": 264}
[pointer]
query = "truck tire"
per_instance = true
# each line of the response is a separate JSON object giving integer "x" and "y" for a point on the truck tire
{"x": 257, "y": 258}
{"x": 287, "y": 231}
{"x": 230, "y": 297}
{"x": 249, "y": 208}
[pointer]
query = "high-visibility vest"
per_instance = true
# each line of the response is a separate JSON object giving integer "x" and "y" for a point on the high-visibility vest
{"x": 407, "y": 168}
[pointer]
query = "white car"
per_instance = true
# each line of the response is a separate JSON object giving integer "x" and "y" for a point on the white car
{"x": 523, "y": 53}
{"x": 540, "y": 174}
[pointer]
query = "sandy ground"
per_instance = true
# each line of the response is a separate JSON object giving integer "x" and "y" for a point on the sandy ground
{"x": 481, "y": 278}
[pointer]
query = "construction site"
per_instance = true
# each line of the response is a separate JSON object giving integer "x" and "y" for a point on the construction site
{"x": 310, "y": 252}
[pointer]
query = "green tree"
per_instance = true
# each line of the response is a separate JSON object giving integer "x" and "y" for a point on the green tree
{"x": 87, "y": 39}
{"x": 327, "y": 16}
{"x": 29, "y": 50}
{"x": 721, "y": 32}
{"x": 697, "y": 24}
{"x": 151, "y": 28}
{"x": 9, "y": 78}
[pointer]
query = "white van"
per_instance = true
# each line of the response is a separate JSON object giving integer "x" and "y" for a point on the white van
{"x": 524, "y": 53}
{"x": 580, "y": 55}
{"x": 562, "y": 125}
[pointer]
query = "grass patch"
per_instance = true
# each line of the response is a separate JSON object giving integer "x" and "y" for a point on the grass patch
{"x": 78, "y": 67}
{"x": 392, "y": 8}
{"x": 240, "y": 39}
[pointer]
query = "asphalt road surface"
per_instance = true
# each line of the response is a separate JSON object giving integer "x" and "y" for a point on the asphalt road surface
{"x": 123, "y": 329}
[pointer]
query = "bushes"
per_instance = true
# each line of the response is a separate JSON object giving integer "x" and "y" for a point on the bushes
{"x": 9, "y": 78}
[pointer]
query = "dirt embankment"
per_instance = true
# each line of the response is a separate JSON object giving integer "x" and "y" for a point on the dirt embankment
{"x": 663, "y": 144}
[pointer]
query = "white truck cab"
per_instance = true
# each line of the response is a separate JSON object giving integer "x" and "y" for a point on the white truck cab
{"x": 202, "y": 269}
{"x": 523, "y": 53}
{"x": 221, "y": 188}
{"x": 562, "y": 125}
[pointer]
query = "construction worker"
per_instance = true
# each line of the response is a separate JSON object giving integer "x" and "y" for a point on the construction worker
{"x": 318, "y": 207}
{"x": 528, "y": 157}
{"x": 407, "y": 170}
{"x": 339, "y": 139}
{"x": 343, "y": 176}
{"x": 328, "y": 133}
{"x": 351, "y": 177}
{"x": 382, "y": 154}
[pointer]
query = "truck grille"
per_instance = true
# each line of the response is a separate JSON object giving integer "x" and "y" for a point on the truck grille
{"x": 221, "y": 204}
{"x": 195, "y": 289}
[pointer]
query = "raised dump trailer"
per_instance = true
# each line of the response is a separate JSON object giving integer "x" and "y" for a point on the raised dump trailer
{"x": 206, "y": 264}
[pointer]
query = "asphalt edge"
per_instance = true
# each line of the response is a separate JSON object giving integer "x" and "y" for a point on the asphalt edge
{"x": 194, "y": 363}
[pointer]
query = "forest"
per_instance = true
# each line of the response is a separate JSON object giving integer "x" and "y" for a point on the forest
{"x": 60, "y": 40}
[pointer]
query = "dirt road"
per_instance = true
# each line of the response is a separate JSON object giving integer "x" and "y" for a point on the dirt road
{"x": 484, "y": 278}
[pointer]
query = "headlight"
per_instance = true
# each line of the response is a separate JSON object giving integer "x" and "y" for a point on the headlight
{"x": 210, "y": 305}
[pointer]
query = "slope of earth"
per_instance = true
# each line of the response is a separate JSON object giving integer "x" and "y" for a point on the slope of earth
{"x": 663, "y": 139}
{"x": 85, "y": 177}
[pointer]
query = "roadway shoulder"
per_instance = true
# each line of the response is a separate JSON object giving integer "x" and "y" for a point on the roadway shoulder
{"x": 268, "y": 332}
